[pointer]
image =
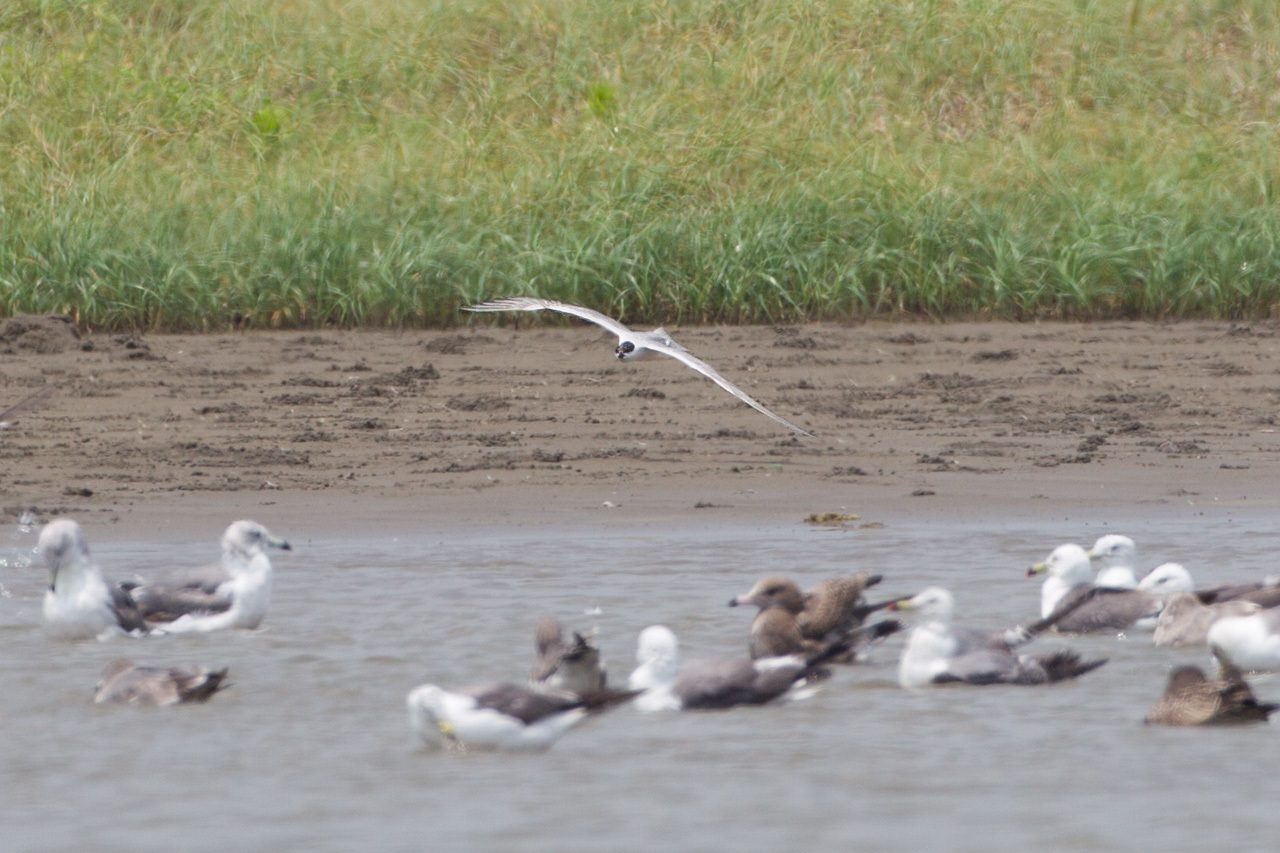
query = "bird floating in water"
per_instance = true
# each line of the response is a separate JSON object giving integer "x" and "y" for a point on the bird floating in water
{"x": 80, "y": 603}
{"x": 791, "y": 622}
{"x": 1191, "y": 699}
{"x": 501, "y": 716}
{"x": 938, "y": 652}
{"x": 123, "y": 683}
{"x": 633, "y": 345}
{"x": 719, "y": 683}
{"x": 573, "y": 668}
{"x": 233, "y": 594}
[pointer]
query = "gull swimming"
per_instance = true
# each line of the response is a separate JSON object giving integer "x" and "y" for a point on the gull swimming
{"x": 80, "y": 603}
{"x": 1115, "y": 556}
{"x": 791, "y": 622}
{"x": 501, "y": 716}
{"x": 1250, "y": 642}
{"x": 559, "y": 666}
{"x": 233, "y": 594}
{"x": 633, "y": 344}
{"x": 1093, "y": 608}
{"x": 126, "y": 684}
{"x": 938, "y": 652}
{"x": 719, "y": 683}
{"x": 1185, "y": 620}
{"x": 1191, "y": 699}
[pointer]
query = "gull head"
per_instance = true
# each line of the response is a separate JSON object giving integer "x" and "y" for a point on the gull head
{"x": 245, "y": 539}
{"x": 427, "y": 716}
{"x": 61, "y": 544}
{"x": 658, "y": 656}
{"x": 934, "y": 604}
{"x": 626, "y": 351}
{"x": 1167, "y": 578}
{"x": 1113, "y": 550}
{"x": 1068, "y": 563}
{"x": 773, "y": 591}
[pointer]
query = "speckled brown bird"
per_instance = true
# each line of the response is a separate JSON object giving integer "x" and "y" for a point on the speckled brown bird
{"x": 126, "y": 684}
{"x": 795, "y": 622}
{"x": 569, "y": 667}
{"x": 1191, "y": 699}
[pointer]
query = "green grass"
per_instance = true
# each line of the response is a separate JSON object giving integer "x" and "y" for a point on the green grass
{"x": 181, "y": 164}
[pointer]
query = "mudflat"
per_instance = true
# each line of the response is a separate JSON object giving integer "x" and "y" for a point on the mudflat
{"x": 532, "y": 418}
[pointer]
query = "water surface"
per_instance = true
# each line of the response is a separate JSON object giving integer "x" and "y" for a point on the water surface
{"x": 309, "y": 749}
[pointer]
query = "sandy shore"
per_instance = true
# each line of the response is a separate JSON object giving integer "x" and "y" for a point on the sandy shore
{"x": 336, "y": 429}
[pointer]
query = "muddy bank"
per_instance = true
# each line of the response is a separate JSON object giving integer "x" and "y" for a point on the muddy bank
{"x": 538, "y": 417}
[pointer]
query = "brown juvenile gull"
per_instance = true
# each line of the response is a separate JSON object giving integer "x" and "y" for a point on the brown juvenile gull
{"x": 1191, "y": 699}
{"x": 501, "y": 716}
{"x": 633, "y": 344}
{"x": 571, "y": 667}
{"x": 715, "y": 684}
{"x": 1092, "y": 608}
{"x": 938, "y": 652}
{"x": 126, "y": 684}
{"x": 1185, "y": 621}
{"x": 791, "y": 622}
{"x": 233, "y": 594}
{"x": 80, "y": 603}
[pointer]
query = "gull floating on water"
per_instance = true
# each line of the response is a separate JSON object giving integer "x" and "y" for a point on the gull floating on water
{"x": 501, "y": 716}
{"x": 126, "y": 684}
{"x": 715, "y": 684}
{"x": 1115, "y": 556}
{"x": 1185, "y": 620}
{"x": 633, "y": 344}
{"x": 232, "y": 594}
{"x": 1092, "y": 608}
{"x": 791, "y": 622}
{"x": 938, "y": 652}
{"x": 80, "y": 603}
{"x": 1191, "y": 699}
{"x": 1250, "y": 642}
{"x": 571, "y": 667}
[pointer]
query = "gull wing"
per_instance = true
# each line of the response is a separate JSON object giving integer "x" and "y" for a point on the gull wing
{"x": 690, "y": 360}
{"x": 166, "y": 601}
{"x": 530, "y": 303}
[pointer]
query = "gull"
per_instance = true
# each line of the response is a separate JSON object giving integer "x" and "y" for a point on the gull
{"x": 126, "y": 684}
{"x": 501, "y": 716}
{"x": 716, "y": 683}
{"x": 792, "y": 622}
{"x": 633, "y": 345}
{"x": 564, "y": 667}
{"x": 1191, "y": 699}
{"x": 80, "y": 604}
{"x": 1092, "y": 608}
{"x": 1169, "y": 578}
{"x": 233, "y": 594}
{"x": 939, "y": 653}
{"x": 1115, "y": 556}
{"x": 1185, "y": 620}
{"x": 1250, "y": 642}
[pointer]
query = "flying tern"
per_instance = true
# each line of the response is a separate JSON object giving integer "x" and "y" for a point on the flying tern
{"x": 633, "y": 344}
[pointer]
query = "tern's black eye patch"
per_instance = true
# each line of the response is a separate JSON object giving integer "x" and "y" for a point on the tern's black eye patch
{"x": 626, "y": 347}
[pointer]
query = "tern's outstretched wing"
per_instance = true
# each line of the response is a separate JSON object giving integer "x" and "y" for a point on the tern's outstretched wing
{"x": 529, "y": 303}
{"x": 690, "y": 360}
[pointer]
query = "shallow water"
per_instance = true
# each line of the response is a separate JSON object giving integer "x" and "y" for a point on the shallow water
{"x": 310, "y": 748}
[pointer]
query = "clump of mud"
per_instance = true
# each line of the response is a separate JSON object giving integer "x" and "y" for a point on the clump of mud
{"x": 38, "y": 333}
